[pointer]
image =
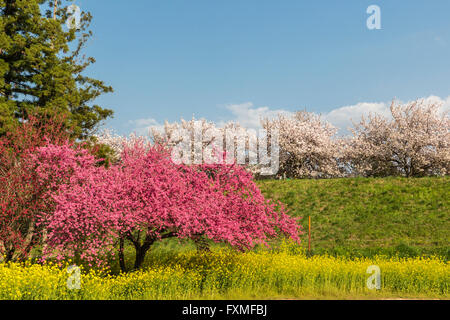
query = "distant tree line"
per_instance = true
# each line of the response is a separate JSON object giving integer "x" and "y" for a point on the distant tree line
{"x": 413, "y": 142}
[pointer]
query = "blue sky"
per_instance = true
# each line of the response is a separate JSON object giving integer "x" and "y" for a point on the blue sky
{"x": 228, "y": 60}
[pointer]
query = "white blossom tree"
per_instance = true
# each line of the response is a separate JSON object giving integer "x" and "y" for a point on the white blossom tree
{"x": 308, "y": 145}
{"x": 117, "y": 143}
{"x": 415, "y": 142}
{"x": 206, "y": 141}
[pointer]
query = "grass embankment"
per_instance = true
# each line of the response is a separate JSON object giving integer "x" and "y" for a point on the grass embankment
{"x": 368, "y": 216}
{"x": 225, "y": 274}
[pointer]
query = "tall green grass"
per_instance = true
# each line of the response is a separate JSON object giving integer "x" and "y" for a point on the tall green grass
{"x": 369, "y": 216}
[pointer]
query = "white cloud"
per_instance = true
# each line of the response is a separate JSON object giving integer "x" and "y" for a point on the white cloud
{"x": 445, "y": 103}
{"x": 342, "y": 117}
{"x": 249, "y": 116}
{"x": 142, "y": 126}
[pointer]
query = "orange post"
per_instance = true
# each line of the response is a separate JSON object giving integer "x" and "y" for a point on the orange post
{"x": 309, "y": 233}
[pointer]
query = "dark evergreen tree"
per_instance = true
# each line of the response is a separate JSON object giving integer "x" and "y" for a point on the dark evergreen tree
{"x": 42, "y": 66}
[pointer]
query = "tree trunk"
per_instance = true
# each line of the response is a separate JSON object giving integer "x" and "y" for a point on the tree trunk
{"x": 140, "y": 256}
{"x": 55, "y": 6}
{"x": 201, "y": 244}
{"x": 44, "y": 239}
{"x": 9, "y": 254}
{"x": 28, "y": 243}
{"x": 121, "y": 255}
{"x": 141, "y": 250}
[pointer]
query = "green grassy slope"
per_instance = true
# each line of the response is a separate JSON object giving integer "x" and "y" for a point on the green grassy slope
{"x": 364, "y": 216}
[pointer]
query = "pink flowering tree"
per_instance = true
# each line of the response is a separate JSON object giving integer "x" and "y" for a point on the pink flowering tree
{"x": 145, "y": 197}
{"x": 21, "y": 196}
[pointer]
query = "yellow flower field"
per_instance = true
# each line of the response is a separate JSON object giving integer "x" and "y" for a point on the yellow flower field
{"x": 227, "y": 274}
